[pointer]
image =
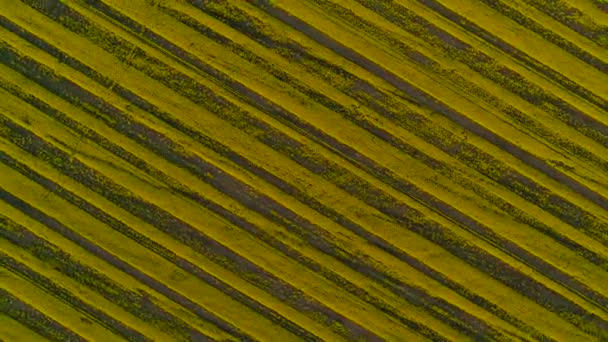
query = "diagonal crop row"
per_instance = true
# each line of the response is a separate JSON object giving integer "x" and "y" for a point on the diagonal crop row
{"x": 8, "y": 231}
{"x": 257, "y": 232}
{"x": 511, "y": 50}
{"x": 400, "y": 144}
{"x": 125, "y": 267}
{"x": 175, "y": 154}
{"x": 131, "y": 301}
{"x": 310, "y": 235}
{"x": 151, "y": 245}
{"x": 292, "y": 18}
{"x": 340, "y": 219}
{"x": 383, "y": 174}
{"x": 573, "y": 18}
{"x": 465, "y": 152}
{"x": 178, "y": 188}
{"x": 439, "y": 233}
{"x": 167, "y": 254}
{"x": 124, "y": 229}
{"x": 578, "y": 286}
{"x": 35, "y": 320}
{"x": 175, "y": 227}
{"x": 223, "y": 150}
{"x": 445, "y": 140}
{"x": 520, "y": 18}
{"x": 488, "y": 67}
{"x": 194, "y": 91}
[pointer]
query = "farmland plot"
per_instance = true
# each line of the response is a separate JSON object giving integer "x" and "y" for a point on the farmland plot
{"x": 319, "y": 170}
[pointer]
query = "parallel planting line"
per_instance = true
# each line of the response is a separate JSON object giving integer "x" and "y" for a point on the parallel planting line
{"x": 440, "y": 107}
{"x": 489, "y": 68}
{"x": 579, "y": 287}
{"x": 178, "y": 82}
{"x": 274, "y": 180}
{"x": 401, "y": 145}
{"x": 569, "y": 16}
{"x": 121, "y": 227}
{"x": 170, "y": 224}
{"x": 511, "y": 279}
{"x": 174, "y": 185}
{"x": 55, "y": 289}
{"x": 151, "y": 245}
{"x": 486, "y": 67}
{"x": 34, "y": 319}
{"x": 327, "y": 211}
{"x": 381, "y": 277}
{"x": 255, "y": 231}
{"x": 325, "y": 38}
{"x": 265, "y": 225}
{"x": 55, "y": 188}
{"x": 483, "y": 162}
{"x": 531, "y": 24}
{"x": 130, "y": 301}
{"x": 516, "y": 53}
{"x": 380, "y": 173}
{"x": 123, "y": 266}
{"x": 224, "y": 210}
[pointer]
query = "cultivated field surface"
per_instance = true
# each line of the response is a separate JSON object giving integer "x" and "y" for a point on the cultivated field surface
{"x": 315, "y": 170}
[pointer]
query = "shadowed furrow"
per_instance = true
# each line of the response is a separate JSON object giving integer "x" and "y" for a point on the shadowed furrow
{"x": 119, "y": 264}
{"x": 34, "y": 319}
{"x": 268, "y": 107}
{"x": 428, "y": 160}
{"x": 57, "y": 290}
{"x": 221, "y": 170}
{"x": 545, "y": 296}
{"x": 447, "y": 141}
{"x": 522, "y": 19}
{"x": 443, "y": 108}
{"x": 574, "y": 19}
{"x": 384, "y": 245}
{"x": 516, "y": 53}
{"x": 170, "y": 224}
